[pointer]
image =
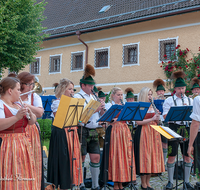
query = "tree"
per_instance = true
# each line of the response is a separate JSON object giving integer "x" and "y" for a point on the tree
{"x": 20, "y": 32}
{"x": 180, "y": 61}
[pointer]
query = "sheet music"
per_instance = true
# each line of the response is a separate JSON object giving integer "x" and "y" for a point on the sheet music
{"x": 171, "y": 132}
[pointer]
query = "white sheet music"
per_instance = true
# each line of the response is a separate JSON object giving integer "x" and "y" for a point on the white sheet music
{"x": 171, "y": 132}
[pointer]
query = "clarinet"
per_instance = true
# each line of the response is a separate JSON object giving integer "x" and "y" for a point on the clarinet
{"x": 97, "y": 98}
{"x": 27, "y": 114}
{"x": 155, "y": 110}
{"x": 184, "y": 105}
{"x": 122, "y": 102}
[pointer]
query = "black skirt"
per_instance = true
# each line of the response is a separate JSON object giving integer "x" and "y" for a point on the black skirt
{"x": 58, "y": 171}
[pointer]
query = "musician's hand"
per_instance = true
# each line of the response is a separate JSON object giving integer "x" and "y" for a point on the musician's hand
{"x": 21, "y": 112}
{"x": 191, "y": 152}
{"x": 158, "y": 111}
{"x": 156, "y": 117}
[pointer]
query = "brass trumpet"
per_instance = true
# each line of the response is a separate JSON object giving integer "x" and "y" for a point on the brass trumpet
{"x": 37, "y": 89}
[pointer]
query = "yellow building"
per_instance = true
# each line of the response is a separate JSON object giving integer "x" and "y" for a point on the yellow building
{"x": 126, "y": 40}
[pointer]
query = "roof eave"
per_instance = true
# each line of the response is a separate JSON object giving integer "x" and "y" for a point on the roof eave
{"x": 93, "y": 29}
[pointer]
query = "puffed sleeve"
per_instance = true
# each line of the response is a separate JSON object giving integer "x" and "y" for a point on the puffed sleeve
{"x": 37, "y": 101}
{"x": 2, "y": 114}
{"x": 54, "y": 105}
{"x": 196, "y": 111}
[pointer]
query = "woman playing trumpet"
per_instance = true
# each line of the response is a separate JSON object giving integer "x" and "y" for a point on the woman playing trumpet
{"x": 61, "y": 146}
{"x": 147, "y": 144}
{"x": 34, "y": 102}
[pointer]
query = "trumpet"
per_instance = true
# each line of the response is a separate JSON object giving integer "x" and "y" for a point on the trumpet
{"x": 37, "y": 89}
{"x": 194, "y": 95}
{"x": 155, "y": 110}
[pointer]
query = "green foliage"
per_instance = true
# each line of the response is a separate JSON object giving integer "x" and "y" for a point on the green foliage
{"x": 179, "y": 61}
{"x": 45, "y": 127}
{"x": 183, "y": 131}
{"x": 20, "y": 32}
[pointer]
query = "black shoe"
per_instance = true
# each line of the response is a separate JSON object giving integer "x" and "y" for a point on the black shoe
{"x": 144, "y": 188}
{"x": 82, "y": 188}
{"x": 189, "y": 186}
{"x": 97, "y": 188}
{"x": 150, "y": 188}
{"x": 198, "y": 184}
{"x": 169, "y": 185}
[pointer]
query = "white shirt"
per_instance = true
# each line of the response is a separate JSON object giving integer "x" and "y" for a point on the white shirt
{"x": 2, "y": 113}
{"x": 54, "y": 107}
{"x": 196, "y": 110}
{"x": 93, "y": 120}
{"x": 169, "y": 102}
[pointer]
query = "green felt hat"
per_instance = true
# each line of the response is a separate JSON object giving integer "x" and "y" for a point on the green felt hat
{"x": 87, "y": 80}
{"x": 179, "y": 76}
{"x": 95, "y": 89}
{"x": 195, "y": 83}
{"x": 180, "y": 82}
{"x": 195, "y": 86}
{"x": 101, "y": 94}
{"x": 160, "y": 87}
{"x": 129, "y": 93}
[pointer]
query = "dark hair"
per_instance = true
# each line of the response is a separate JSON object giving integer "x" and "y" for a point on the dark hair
{"x": 25, "y": 77}
{"x": 82, "y": 84}
{"x": 6, "y": 83}
{"x": 12, "y": 75}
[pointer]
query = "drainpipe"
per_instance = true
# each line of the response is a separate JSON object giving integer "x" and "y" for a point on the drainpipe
{"x": 78, "y": 33}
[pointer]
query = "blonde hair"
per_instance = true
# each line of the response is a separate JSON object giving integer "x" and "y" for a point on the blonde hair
{"x": 60, "y": 90}
{"x": 114, "y": 91}
{"x": 143, "y": 96}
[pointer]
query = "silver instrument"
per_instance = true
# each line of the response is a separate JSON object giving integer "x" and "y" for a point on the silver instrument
{"x": 155, "y": 110}
{"x": 122, "y": 102}
{"x": 27, "y": 114}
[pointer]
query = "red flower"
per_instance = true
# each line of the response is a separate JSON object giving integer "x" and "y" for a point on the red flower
{"x": 187, "y": 91}
{"x": 162, "y": 62}
{"x": 187, "y": 60}
{"x": 197, "y": 66}
{"x": 177, "y": 46}
{"x": 187, "y": 49}
{"x": 180, "y": 52}
{"x": 198, "y": 75}
{"x": 161, "y": 66}
{"x": 186, "y": 66}
{"x": 180, "y": 67}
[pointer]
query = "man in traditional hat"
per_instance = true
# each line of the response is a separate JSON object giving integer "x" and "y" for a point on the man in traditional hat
{"x": 101, "y": 94}
{"x": 90, "y": 143}
{"x": 195, "y": 125}
{"x": 129, "y": 95}
{"x": 178, "y": 99}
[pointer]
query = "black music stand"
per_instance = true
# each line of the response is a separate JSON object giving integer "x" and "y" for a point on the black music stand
{"x": 133, "y": 111}
{"x": 72, "y": 114}
{"x": 108, "y": 117}
{"x": 179, "y": 113}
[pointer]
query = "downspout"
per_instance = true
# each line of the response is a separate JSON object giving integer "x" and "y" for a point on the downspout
{"x": 78, "y": 33}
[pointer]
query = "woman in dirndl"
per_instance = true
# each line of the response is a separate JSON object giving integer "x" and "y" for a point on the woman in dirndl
{"x": 147, "y": 144}
{"x": 34, "y": 102}
{"x": 17, "y": 169}
{"x": 119, "y": 170}
{"x": 61, "y": 146}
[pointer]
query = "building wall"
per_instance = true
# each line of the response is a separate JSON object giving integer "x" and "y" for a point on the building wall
{"x": 184, "y": 27}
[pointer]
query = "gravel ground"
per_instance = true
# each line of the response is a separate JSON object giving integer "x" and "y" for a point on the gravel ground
{"x": 156, "y": 182}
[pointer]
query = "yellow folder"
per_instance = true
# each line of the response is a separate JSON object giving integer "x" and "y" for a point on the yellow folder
{"x": 89, "y": 110}
{"x": 162, "y": 131}
{"x": 69, "y": 112}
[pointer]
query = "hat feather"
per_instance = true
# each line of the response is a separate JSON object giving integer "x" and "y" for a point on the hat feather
{"x": 89, "y": 71}
{"x": 129, "y": 90}
{"x": 99, "y": 88}
{"x": 158, "y": 82}
{"x": 55, "y": 84}
{"x": 195, "y": 80}
{"x": 178, "y": 74}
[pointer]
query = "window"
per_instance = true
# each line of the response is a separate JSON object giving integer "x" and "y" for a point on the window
{"x": 130, "y": 54}
{"x": 35, "y": 67}
{"x": 55, "y": 63}
{"x": 167, "y": 48}
{"x": 101, "y": 57}
{"x": 77, "y": 61}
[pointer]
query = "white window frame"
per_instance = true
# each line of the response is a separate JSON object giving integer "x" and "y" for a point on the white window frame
{"x": 38, "y": 68}
{"x": 77, "y": 70}
{"x": 138, "y": 53}
{"x": 160, "y": 40}
{"x": 102, "y": 48}
{"x": 60, "y": 63}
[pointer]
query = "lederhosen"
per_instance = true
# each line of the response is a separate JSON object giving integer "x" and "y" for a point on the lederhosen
{"x": 90, "y": 141}
{"x": 183, "y": 131}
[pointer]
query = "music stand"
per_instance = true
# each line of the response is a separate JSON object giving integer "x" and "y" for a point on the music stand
{"x": 179, "y": 113}
{"x": 108, "y": 116}
{"x": 71, "y": 109}
{"x": 133, "y": 111}
{"x": 159, "y": 105}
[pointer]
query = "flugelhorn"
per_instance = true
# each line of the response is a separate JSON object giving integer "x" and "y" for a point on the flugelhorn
{"x": 37, "y": 89}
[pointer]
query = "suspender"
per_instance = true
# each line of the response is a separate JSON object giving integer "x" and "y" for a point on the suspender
{"x": 83, "y": 97}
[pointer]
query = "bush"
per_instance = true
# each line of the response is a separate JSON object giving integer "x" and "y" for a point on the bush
{"x": 45, "y": 127}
